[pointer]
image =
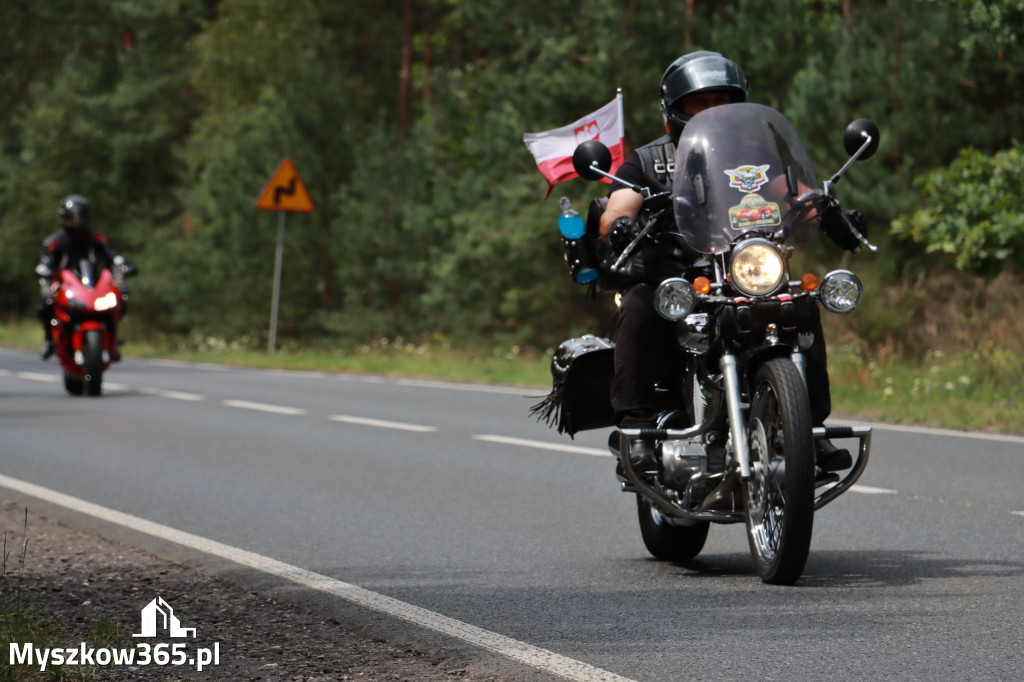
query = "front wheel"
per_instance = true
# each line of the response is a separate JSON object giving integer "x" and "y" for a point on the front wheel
{"x": 667, "y": 542}
{"x": 73, "y": 385}
{"x": 92, "y": 348}
{"x": 779, "y": 497}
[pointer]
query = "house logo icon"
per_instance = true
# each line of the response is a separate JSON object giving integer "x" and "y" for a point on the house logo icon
{"x": 158, "y": 614}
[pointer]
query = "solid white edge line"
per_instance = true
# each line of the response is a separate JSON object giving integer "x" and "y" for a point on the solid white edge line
{"x": 538, "y": 658}
{"x": 185, "y": 364}
{"x": 263, "y": 407}
{"x": 931, "y": 431}
{"x": 1018, "y": 513}
{"x": 543, "y": 445}
{"x": 479, "y": 388}
{"x": 382, "y": 424}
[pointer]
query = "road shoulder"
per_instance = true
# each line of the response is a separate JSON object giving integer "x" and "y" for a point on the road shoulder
{"x": 86, "y": 584}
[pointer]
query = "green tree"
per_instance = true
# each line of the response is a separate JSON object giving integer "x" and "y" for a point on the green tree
{"x": 405, "y": 120}
{"x": 101, "y": 115}
{"x": 271, "y": 84}
{"x": 966, "y": 208}
{"x": 972, "y": 211}
{"x": 498, "y": 259}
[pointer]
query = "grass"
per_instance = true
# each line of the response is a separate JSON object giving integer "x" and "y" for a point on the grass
{"x": 979, "y": 389}
{"x": 20, "y": 624}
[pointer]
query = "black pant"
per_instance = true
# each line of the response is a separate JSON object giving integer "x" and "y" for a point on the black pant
{"x": 646, "y": 349}
{"x": 45, "y": 312}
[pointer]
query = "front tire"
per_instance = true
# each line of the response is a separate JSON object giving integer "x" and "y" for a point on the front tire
{"x": 73, "y": 385}
{"x": 667, "y": 542}
{"x": 779, "y": 497}
{"x": 92, "y": 347}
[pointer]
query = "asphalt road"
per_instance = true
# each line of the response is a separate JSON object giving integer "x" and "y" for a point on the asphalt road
{"x": 412, "y": 490}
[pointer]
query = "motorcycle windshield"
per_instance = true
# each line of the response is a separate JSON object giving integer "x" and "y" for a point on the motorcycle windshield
{"x": 741, "y": 168}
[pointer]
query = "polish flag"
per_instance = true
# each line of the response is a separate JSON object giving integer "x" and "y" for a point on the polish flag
{"x": 553, "y": 149}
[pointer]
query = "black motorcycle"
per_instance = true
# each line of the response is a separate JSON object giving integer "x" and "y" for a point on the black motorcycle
{"x": 735, "y": 442}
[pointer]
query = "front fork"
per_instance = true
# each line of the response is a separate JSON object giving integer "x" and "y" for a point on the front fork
{"x": 78, "y": 341}
{"x": 741, "y": 447}
{"x": 735, "y": 406}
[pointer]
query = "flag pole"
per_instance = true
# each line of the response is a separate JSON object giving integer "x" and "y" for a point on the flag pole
{"x": 622, "y": 115}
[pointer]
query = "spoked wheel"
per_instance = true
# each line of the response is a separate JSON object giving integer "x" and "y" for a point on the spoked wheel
{"x": 665, "y": 541}
{"x": 779, "y": 497}
{"x": 92, "y": 346}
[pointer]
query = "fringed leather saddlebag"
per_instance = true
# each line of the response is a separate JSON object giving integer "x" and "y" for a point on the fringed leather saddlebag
{"x": 581, "y": 372}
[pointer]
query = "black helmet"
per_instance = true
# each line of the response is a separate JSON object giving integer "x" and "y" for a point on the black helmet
{"x": 74, "y": 212}
{"x": 698, "y": 72}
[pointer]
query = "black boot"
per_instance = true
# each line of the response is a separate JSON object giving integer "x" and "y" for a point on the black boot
{"x": 831, "y": 458}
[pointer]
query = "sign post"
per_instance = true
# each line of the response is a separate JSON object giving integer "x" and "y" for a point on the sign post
{"x": 284, "y": 193}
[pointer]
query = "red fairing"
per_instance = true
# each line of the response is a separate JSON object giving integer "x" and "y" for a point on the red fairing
{"x": 84, "y": 327}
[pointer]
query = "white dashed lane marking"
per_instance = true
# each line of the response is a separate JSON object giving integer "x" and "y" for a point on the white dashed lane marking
{"x": 263, "y": 407}
{"x": 868, "y": 490}
{"x": 35, "y": 376}
{"x": 382, "y": 424}
{"x": 173, "y": 395}
{"x": 543, "y": 445}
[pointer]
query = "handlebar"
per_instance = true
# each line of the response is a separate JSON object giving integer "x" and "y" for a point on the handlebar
{"x": 860, "y": 237}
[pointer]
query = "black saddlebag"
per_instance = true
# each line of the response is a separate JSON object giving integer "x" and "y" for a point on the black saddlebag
{"x": 581, "y": 372}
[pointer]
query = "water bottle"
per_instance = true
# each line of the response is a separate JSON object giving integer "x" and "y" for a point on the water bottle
{"x": 570, "y": 224}
{"x": 579, "y": 247}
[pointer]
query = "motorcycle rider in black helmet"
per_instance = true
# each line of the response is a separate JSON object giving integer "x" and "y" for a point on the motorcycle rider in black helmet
{"x": 645, "y": 342}
{"x": 71, "y": 243}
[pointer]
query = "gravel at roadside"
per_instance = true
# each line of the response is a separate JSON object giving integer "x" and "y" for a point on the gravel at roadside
{"x": 90, "y": 584}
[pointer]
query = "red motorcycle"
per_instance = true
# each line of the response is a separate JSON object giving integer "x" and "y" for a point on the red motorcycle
{"x": 88, "y": 304}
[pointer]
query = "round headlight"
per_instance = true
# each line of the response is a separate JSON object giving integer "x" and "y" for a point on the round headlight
{"x": 758, "y": 268}
{"x": 840, "y": 291}
{"x": 674, "y": 299}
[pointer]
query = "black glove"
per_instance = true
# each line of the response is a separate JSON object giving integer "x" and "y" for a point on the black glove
{"x": 623, "y": 230}
{"x": 857, "y": 220}
{"x": 839, "y": 225}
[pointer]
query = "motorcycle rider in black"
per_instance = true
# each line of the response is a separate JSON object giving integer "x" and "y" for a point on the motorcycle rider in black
{"x": 645, "y": 342}
{"x": 74, "y": 241}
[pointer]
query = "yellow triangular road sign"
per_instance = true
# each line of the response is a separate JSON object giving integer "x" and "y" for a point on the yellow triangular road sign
{"x": 284, "y": 191}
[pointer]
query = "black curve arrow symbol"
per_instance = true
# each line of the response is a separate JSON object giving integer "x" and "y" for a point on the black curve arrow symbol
{"x": 289, "y": 190}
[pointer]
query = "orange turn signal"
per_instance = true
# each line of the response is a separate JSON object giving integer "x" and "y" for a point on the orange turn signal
{"x": 702, "y": 285}
{"x": 809, "y": 282}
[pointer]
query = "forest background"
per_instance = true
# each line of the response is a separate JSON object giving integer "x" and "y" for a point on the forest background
{"x": 405, "y": 121}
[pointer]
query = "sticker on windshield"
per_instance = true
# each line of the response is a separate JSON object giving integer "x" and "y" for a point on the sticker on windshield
{"x": 754, "y": 212}
{"x": 748, "y": 178}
